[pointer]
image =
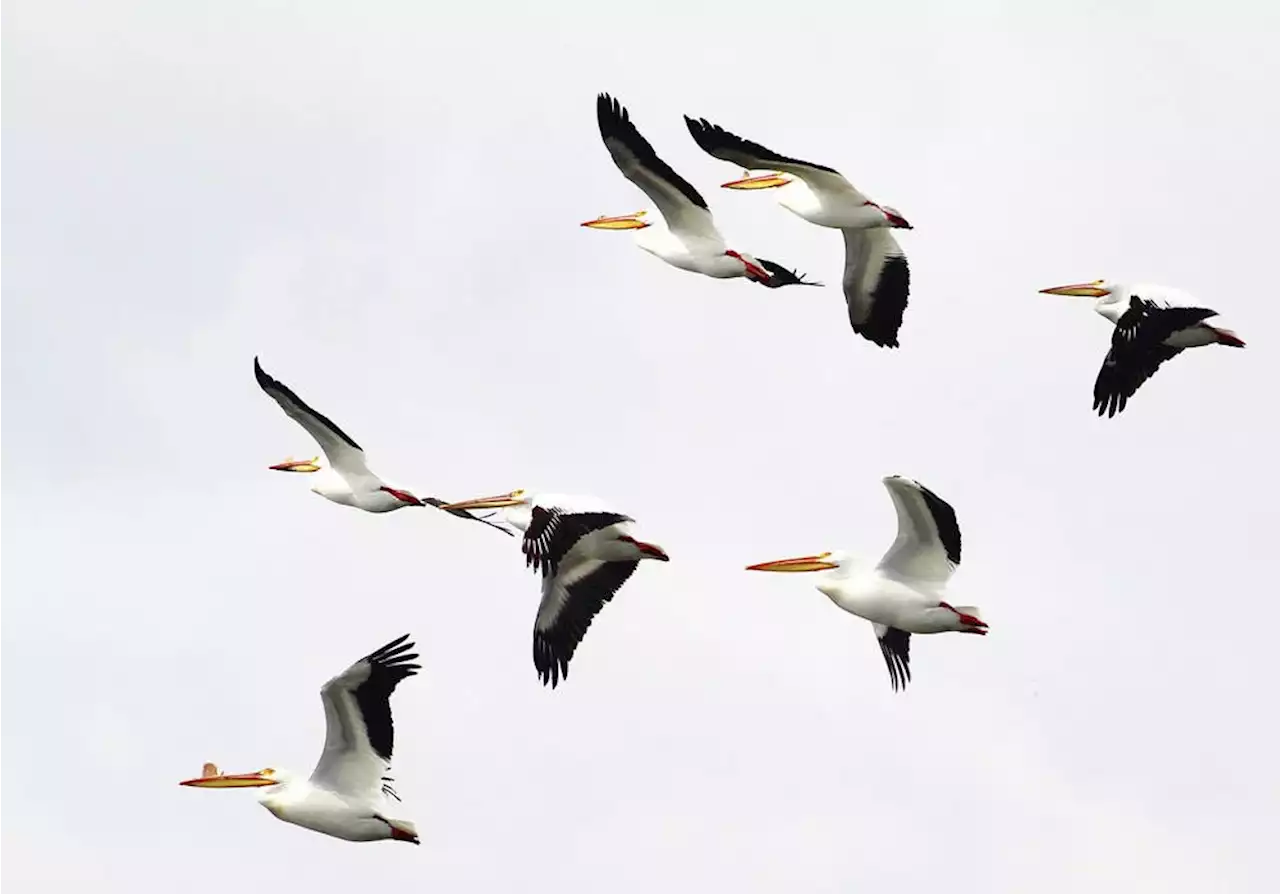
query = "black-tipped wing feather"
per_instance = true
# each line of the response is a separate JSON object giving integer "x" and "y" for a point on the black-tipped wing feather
{"x": 387, "y": 667}
{"x": 877, "y": 283}
{"x": 780, "y": 276}
{"x": 615, "y": 125}
{"x": 1123, "y": 373}
{"x": 1146, "y": 324}
{"x": 299, "y": 411}
{"x": 944, "y": 519}
{"x": 726, "y": 146}
{"x": 895, "y": 645}
{"x": 553, "y": 532}
{"x": 566, "y": 612}
{"x": 1138, "y": 350}
{"x": 359, "y": 733}
{"x": 927, "y": 547}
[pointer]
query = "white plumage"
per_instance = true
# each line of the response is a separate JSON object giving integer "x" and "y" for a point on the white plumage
{"x": 584, "y": 551}
{"x": 345, "y": 797}
{"x": 903, "y": 593}
{"x": 690, "y": 239}
{"x": 877, "y": 279}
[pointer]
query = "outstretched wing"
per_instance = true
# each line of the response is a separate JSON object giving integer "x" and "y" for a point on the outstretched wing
{"x": 359, "y": 734}
{"x": 726, "y": 146}
{"x": 343, "y": 453}
{"x": 927, "y": 548}
{"x": 877, "y": 282}
{"x": 1138, "y": 350}
{"x": 571, "y": 599}
{"x": 683, "y": 207}
{"x": 1123, "y": 372}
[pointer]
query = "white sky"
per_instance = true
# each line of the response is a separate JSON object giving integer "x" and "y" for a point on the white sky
{"x": 382, "y": 200}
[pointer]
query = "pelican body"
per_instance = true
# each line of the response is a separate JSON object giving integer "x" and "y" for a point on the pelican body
{"x": 585, "y": 552}
{"x": 1153, "y": 324}
{"x": 904, "y": 593}
{"x": 347, "y": 480}
{"x": 345, "y": 796}
{"x": 877, "y": 279}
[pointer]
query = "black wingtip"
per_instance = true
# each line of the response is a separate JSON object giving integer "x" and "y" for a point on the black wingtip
{"x": 780, "y": 276}
{"x": 265, "y": 381}
{"x": 393, "y": 654}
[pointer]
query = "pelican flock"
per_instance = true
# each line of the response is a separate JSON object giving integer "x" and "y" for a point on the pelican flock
{"x": 584, "y": 551}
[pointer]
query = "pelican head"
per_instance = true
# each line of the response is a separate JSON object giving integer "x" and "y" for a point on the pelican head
{"x": 1097, "y": 289}
{"x": 763, "y": 181}
{"x": 501, "y": 501}
{"x": 211, "y": 777}
{"x": 827, "y": 561}
{"x": 622, "y": 222}
{"x": 298, "y": 465}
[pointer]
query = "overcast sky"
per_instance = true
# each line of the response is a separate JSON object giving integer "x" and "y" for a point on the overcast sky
{"x": 382, "y": 201}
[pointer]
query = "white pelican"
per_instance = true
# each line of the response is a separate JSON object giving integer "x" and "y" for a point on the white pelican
{"x": 344, "y": 796}
{"x": 349, "y": 482}
{"x": 1146, "y": 334}
{"x": 877, "y": 279}
{"x": 585, "y": 552}
{"x": 690, "y": 239}
{"x": 902, "y": 594}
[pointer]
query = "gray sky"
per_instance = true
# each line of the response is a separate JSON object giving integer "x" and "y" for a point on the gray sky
{"x": 382, "y": 201}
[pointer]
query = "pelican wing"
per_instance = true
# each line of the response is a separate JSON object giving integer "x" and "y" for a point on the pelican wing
{"x": 1123, "y": 372}
{"x": 927, "y": 548}
{"x": 895, "y": 646}
{"x": 1138, "y": 350}
{"x": 343, "y": 453}
{"x": 359, "y": 734}
{"x": 780, "y": 276}
{"x": 726, "y": 146}
{"x": 571, "y": 598}
{"x": 1146, "y": 324}
{"x": 877, "y": 282}
{"x": 553, "y": 532}
{"x": 682, "y": 207}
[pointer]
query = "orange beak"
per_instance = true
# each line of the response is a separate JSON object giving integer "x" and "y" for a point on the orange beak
{"x": 803, "y": 563}
{"x": 243, "y": 780}
{"x": 622, "y": 222}
{"x": 763, "y": 181}
{"x": 297, "y": 465}
{"x": 1081, "y": 290}
{"x": 501, "y": 501}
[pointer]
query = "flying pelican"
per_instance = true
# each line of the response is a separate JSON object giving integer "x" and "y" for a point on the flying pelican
{"x": 690, "y": 239}
{"x": 344, "y": 796}
{"x": 585, "y": 552}
{"x": 876, "y": 277}
{"x": 349, "y": 481}
{"x": 1146, "y": 334}
{"x": 902, "y": 594}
